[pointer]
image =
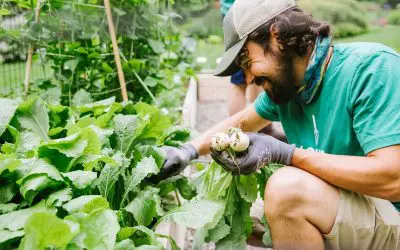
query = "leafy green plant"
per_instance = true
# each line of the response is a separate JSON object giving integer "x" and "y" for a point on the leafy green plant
{"x": 394, "y": 17}
{"x": 78, "y": 177}
{"x": 346, "y": 16}
{"x": 225, "y": 201}
{"x": 72, "y": 40}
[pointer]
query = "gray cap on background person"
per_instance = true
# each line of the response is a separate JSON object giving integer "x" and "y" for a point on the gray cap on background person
{"x": 244, "y": 17}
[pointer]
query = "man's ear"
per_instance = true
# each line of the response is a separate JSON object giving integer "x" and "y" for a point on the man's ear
{"x": 273, "y": 30}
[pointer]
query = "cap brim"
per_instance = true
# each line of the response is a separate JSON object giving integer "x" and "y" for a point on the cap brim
{"x": 227, "y": 66}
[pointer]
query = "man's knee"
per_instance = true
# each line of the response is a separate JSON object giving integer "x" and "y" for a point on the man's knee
{"x": 294, "y": 193}
{"x": 286, "y": 191}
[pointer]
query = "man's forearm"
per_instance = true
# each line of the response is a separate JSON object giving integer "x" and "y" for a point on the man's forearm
{"x": 248, "y": 118}
{"x": 370, "y": 175}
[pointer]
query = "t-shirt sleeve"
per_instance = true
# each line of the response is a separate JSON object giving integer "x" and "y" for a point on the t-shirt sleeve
{"x": 374, "y": 100}
{"x": 266, "y": 108}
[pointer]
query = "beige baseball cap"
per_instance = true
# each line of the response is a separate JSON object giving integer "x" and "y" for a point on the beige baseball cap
{"x": 244, "y": 17}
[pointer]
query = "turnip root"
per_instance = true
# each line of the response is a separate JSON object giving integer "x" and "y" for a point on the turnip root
{"x": 239, "y": 141}
{"x": 220, "y": 142}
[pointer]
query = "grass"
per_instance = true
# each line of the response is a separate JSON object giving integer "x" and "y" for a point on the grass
{"x": 388, "y": 35}
{"x": 209, "y": 51}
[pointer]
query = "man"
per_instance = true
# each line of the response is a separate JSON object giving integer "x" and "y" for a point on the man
{"x": 238, "y": 88}
{"x": 339, "y": 106}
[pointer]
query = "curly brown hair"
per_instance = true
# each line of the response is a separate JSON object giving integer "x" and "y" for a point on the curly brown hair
{"x": 297, "y": 31}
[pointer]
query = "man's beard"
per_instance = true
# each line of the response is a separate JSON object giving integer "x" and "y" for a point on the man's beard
{"x": 283, "y": 90}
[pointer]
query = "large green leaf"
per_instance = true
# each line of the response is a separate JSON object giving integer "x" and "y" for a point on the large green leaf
{"x": 196, "y": 213}
{"x": 143, "y": 207}
{"x": 86, "y": 204}
{"x": 42, "y": 176}
{"x": 63, "y": 152}
{"x": 241, "y": 226}
{"x": 180, "y": 183}
{"x": 185, "y": 188}
{"x": 81, "y": 179}
{"x": 32, "y": 115}
{"x": 153, "y": 151}
{"x": 97, "y": 107}
{"x": 81, "y": 98}
{"x": 214, "y": 183}
{"x": 232, "y": 242}
{"x": 15, "y": 220}
{"x": 102, "y": 133}
{"x": 218, "y": 232}
{"x": 42, "y": 167}
{"x": 104, "y": 120}
{"x": 7, "y": 111}
{"x": 174, "y": 136}
{"x": 29, "y": 143}
{"x": 158, "y": 121}
{"x": 247, "y": 187}
{"x": 125, "y": 233}
{"x": 144, "y": 168}
{"x": 110, "y": 174}
{"x": 94, "y": 143}
{"x": 90, "y": 161}
{"x": 51, "y": 96}
{"x": 44, "y": 230}
{"x": 144, "y": 237}
{"x": 71, "y": 146}
{"x": 58, "y": 198}
{"x": 33, "y": 185}
{"x": 128, "y": 128}
{"x": 99, "y": 230}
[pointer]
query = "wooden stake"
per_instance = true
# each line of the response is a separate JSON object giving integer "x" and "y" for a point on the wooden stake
{"x": 28, "y": 66}
{"x": 117, "y": 57}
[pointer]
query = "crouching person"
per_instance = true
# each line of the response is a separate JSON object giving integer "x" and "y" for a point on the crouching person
{"x": 339, "y": 106}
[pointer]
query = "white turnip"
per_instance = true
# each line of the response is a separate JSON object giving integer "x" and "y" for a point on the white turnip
{"x": 220, "y": 142}
{"x": 239, "y": 141}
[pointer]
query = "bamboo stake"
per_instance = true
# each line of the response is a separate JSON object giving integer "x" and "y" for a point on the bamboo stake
{"x": 28, "y": 66}
{"x": 117, "y": 57}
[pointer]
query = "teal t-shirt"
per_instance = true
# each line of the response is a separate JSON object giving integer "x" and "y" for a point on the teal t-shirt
{"x": 226, "y": 5}
{"x": 356, "y": 109}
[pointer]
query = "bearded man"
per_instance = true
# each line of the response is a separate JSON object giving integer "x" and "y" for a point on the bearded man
{"x": 340, "y": 108}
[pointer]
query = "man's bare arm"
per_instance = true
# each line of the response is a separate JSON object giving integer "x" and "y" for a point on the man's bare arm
{"x": 248, "y": 118}
{"x": 377, "y": 174}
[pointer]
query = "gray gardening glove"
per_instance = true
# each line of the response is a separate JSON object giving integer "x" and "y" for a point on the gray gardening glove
{"x": 177, "y": 158}
{"x": 263, "y": 149}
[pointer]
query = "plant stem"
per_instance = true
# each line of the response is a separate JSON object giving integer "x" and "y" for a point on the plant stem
{"x": 177, "y": 198}
{"x": 145, "y": 87}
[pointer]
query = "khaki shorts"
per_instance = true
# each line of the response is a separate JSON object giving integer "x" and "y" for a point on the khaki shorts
{"x": 362, "y": 223}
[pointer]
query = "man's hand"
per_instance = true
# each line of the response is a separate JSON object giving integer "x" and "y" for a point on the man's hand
{"x": 176, "y": 159}
{"x": 263, "y": 149}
